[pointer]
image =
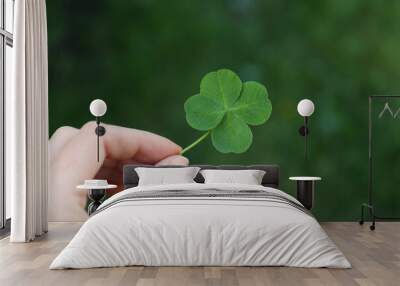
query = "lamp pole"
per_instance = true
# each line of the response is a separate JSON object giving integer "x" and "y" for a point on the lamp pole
{"x": 98, "y": 138}
{"x": 305, "y": 138}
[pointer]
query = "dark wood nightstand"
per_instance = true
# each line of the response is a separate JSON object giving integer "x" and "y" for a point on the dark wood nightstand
{"x": 96, "y": 191}
{"x": 305, "y": 190}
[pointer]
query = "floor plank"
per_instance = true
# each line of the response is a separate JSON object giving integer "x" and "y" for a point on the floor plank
{"x": 375, "y": 257}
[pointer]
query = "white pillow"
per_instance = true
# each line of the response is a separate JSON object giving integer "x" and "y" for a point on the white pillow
{"x": 248, "y": 177}
{"x": 162, "y": 176}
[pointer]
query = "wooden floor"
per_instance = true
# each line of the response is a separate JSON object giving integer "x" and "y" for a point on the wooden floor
{"x": 375, "y": 257}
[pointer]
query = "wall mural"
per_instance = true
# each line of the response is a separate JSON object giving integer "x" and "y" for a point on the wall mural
{"x": 144, "y": 58}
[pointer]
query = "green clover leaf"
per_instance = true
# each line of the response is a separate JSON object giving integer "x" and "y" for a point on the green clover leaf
{"x": 225, "y": 108}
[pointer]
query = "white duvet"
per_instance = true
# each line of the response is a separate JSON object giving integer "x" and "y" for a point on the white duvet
{"x": 200, "y": 231}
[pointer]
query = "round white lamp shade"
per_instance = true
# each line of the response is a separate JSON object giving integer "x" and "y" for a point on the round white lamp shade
{"x": 305, "y": 107}
{"x": 98, "y": 107}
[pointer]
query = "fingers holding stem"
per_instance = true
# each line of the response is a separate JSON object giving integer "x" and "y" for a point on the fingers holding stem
{"x": 201, "y": 138}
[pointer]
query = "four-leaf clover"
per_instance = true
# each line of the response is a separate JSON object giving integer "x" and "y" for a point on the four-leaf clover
{"x": 225, "y": 107}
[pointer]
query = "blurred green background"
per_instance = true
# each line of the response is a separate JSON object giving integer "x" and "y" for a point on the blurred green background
{"x": 145, "y": 57}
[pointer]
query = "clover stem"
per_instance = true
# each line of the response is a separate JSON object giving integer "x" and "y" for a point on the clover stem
{"x": 201, "y": 138}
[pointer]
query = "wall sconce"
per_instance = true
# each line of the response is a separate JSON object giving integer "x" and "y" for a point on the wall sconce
{"x": 98, "y": 108}
{"x": 305, "y": 108}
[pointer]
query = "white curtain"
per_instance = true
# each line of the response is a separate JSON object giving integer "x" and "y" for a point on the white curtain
{"x": 27, "y": 123}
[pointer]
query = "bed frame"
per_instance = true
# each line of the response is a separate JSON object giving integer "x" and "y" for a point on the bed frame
{"x": 270, "y": 179}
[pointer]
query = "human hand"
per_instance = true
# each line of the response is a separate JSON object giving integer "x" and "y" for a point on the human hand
{"x": 73, "y": 159}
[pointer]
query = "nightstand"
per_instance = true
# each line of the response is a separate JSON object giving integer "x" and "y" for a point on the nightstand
{"x": 305, "y": 190}
{"x": 96, "y": 191}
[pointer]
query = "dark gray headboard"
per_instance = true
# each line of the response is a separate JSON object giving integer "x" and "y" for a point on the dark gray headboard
{"x": 271, "y": 177}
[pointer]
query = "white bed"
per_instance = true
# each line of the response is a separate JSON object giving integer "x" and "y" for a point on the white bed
{"x": 183, "y": 230}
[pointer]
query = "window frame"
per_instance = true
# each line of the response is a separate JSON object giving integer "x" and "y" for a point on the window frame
{"x": 6, "y": 39}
